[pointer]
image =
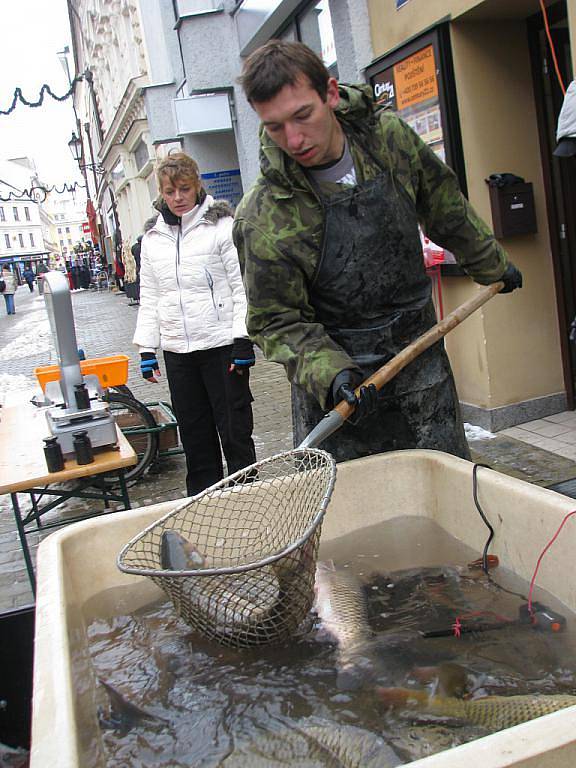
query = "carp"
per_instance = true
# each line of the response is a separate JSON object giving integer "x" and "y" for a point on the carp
{"x": 315, "y": 742}
{"x": 492, "y": 712}
{"x": 178, "y": 554}
{"x": 341, "y": 607}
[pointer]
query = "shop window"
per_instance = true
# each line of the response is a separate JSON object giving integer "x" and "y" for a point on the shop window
{"x": 141, "y": 154}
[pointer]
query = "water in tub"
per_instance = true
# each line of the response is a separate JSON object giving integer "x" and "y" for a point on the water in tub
{"x": 408, "y": 652}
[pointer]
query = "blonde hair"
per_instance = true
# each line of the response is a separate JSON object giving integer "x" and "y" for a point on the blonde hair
{"x": 177, "y": 167}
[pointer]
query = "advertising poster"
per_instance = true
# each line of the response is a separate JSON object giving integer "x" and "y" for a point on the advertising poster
{"x": 410, "y": 87}
{"x": 224, "y": 185}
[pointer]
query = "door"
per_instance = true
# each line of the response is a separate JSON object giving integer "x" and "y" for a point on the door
{"x": 559, "y": 173}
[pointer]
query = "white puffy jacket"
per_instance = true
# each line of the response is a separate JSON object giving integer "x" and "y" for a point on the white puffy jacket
{"x": 191, "y": 291}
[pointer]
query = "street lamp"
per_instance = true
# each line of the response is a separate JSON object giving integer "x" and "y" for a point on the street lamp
{"x": 75, "y": 145}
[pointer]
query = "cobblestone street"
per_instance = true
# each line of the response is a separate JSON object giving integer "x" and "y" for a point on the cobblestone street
{"x": 104, "y": 326}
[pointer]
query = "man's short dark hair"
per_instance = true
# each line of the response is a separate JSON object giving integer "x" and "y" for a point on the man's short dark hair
{"x": 276, "y": 64}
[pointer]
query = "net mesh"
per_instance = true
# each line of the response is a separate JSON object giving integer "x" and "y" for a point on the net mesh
{"x": 255, "y": 536}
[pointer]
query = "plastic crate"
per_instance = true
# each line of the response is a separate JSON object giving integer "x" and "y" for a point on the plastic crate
{"x": 111, "y": 371}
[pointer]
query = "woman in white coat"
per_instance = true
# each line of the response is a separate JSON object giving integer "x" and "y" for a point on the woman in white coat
{"x": 193, "y": 308}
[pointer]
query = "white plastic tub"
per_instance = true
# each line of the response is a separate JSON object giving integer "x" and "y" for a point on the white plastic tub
{"x": 78, "y": 579}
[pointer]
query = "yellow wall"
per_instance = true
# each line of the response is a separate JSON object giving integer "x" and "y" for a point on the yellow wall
{"x": 509, "y": 351}
{"x": 499, "y": 133}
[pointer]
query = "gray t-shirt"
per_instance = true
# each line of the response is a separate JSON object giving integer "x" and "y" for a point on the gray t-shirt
{"x": 340, "y": 172}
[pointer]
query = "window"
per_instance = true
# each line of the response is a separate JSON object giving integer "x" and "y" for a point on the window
{"x": 315, "y": 30}
{"x": 8, "y": 243}
{"x": 32, "y": 240}
{"x": 67, "y": 230}
{"x": 141, "y": 154}
{"x": 21, "y": 239}
{"x": 2, "y": 214}
{"x": 118, "y": 174}
{"x": 27, "y": 213}
{"x": 15, "y": 212}
{"x": 61, "y": 243}
{"x": 59, "y": 230}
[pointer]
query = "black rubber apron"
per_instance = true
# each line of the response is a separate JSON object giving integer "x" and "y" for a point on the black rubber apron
{"x": 372, "y": 295}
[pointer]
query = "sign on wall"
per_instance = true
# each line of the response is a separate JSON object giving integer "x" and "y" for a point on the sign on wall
{"x": 400, "y": 3}
{"x": 224, "y": 185}
{"x": 410, "y": 88}
{"x": 417, "y": 82}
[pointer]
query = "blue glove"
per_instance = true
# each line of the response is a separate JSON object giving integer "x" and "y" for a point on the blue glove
{"x": 243, "y": 353}
{"x": 149, "y": 367}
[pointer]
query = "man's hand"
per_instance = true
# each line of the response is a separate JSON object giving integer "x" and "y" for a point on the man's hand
{"x": 343, "y": 388}
{"x": 242, "y": 355}
{"x": 512, "y": 278}
{"x": 149, "y": 367}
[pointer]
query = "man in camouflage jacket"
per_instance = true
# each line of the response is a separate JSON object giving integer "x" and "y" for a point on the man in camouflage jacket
{"x": 333, "y": 267}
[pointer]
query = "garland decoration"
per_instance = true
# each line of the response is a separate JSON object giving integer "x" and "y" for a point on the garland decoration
{"x": 45, "y": 89}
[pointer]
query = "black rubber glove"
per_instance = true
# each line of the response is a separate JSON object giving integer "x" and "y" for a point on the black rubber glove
{"x": 149, "y": 367}
{"x": 343, "y": 388}
{"x": 243, "y": 353}
{"x": 512, "y": 278}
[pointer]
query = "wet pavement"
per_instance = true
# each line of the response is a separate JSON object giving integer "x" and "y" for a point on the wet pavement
{"x": 104, "y": 326}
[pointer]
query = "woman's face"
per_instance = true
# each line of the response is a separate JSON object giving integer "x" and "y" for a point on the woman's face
{"x": 180, "y": 194}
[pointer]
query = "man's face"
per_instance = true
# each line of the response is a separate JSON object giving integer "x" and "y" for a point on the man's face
{"x": 179, "y": 195}
{"x": 302, "y": 125}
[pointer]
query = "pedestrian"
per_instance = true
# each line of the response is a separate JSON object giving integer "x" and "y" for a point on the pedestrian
{"x": 29, "y": 276}
{"x": 41, "y": 270}
{"x": 333, "y": 266}
{"x": 135, "y": 251}
{"x": 9, "y": 282}
{"x": 193, "y": 307}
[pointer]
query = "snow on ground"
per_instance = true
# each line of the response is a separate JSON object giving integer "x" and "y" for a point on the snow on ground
{"x": 477, "y": 433}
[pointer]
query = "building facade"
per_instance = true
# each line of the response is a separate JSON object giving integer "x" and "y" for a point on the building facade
{"x": 475, "y": 78}
{"x": 25, "y": 222}
{"x": 116, "y": 150}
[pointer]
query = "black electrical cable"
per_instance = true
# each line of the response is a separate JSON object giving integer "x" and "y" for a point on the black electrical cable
{"x": 482, "y": 515}
{"x": 491, "y": 536}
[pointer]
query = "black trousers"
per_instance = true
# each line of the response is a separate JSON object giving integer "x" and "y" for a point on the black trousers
{"x": 213, "y": 406}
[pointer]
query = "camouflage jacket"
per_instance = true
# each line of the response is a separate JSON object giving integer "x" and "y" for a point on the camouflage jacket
{"x": 278, "y": 234}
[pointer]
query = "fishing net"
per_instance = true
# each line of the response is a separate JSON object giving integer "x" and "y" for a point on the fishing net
{"x": 256, "y": 535}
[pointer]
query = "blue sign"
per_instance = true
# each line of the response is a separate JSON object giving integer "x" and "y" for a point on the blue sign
{"x": 224, "y": 185}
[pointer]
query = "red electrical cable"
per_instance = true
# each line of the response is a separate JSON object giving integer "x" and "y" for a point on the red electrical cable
{"x": 551, "y": 44}
{"x": 546, "y": 548}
